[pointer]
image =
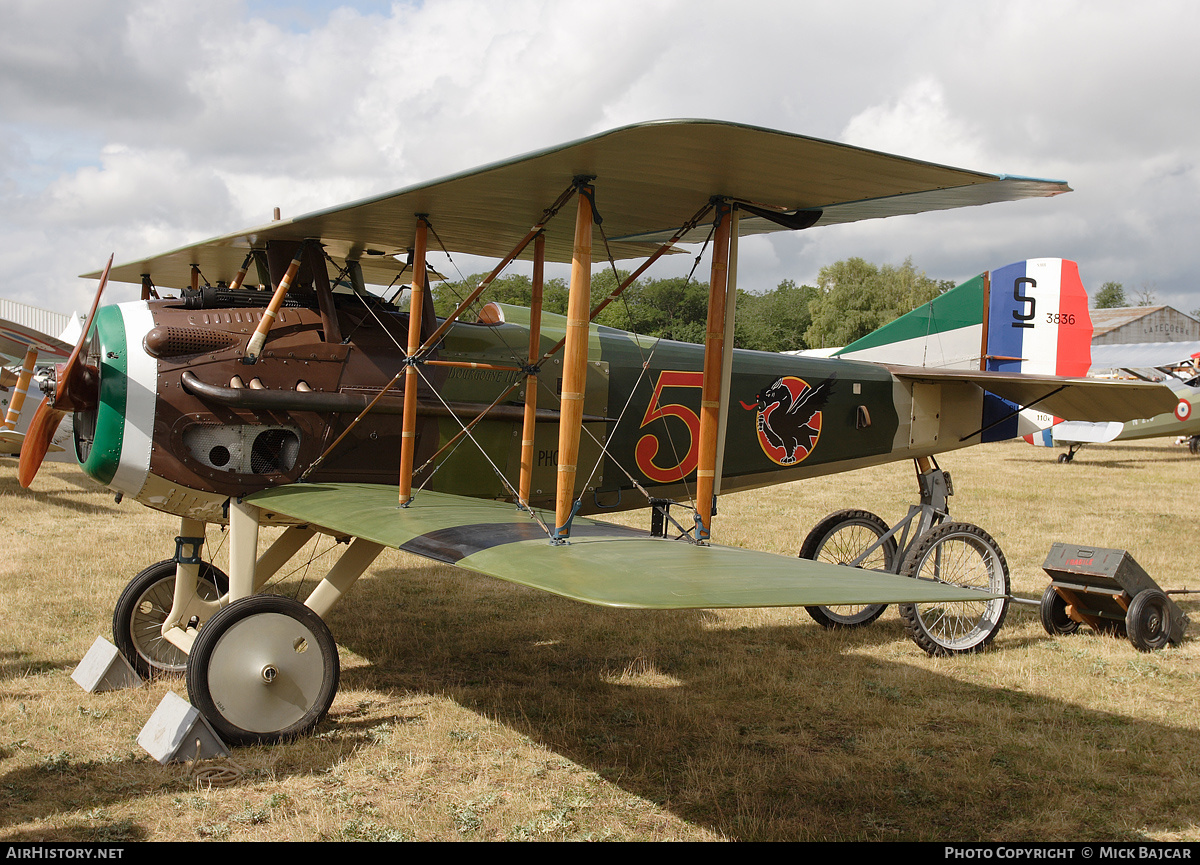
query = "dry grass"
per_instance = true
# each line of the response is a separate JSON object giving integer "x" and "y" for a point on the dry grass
{"x": 472, "y": 709}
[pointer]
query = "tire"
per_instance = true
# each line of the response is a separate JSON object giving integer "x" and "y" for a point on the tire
{"x": 1194, "y": 444}
{"x": 143, "y": 607}
{"x": 1148, "y": 620}
{"x": 263, "y": 669}
{"x": 840, "y": 538}
{"x": 1054, "y": 614}
{"x": 1064, "y": 458}
{"x": 963, "y": 555}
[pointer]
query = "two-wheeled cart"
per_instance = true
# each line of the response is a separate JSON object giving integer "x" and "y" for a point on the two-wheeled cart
{"x": 1110, "y": 592}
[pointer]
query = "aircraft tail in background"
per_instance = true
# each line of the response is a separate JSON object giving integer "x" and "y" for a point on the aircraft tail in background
{"x": 1029, "y": 317}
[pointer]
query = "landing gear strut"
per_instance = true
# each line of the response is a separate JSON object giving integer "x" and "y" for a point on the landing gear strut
{"x": 259, "y": 667}
{"x": 1070, "y": 454}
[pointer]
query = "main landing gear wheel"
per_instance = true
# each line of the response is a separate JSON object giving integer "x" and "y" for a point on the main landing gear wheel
{"x": 1148, "y": 620}
{"x": 143, "y": 607}
{"x": 263, "y": 669}
{"x": 841, "y": 538}
{"x": 964, "y": 555}
{"x": 1054, "y": 614}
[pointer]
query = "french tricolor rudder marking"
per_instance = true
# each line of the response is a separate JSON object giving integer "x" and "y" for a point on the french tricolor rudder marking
{"x": 1038, "y": 323}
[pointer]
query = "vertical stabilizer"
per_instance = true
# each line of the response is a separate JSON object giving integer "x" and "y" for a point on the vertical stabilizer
{"x": 1038, "y": 320}
{"x": 1028, "y": 317}
{"x": 945, "y": 333}
{"x": 1038, "y": 323}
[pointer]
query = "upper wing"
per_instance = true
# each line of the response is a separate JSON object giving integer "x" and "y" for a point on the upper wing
{"x": 496, "y": 539}
{"x": 16, "y": 338}
{"x": 1085, "y": 399}
{"x": 650, "y": 178}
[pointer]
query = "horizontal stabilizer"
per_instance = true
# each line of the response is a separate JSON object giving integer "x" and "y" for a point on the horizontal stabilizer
{"x": 1077, "y": 432}
{"x": 496, "y": 539}
{"x": 1085, "y": 399}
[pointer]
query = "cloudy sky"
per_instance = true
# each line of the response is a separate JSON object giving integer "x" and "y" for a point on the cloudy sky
{"x": 135, "y": 126}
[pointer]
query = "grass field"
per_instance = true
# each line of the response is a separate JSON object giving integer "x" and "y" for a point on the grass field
{"x": 472, "y": 709}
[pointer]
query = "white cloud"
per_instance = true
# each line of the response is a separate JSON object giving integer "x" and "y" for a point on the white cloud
{"x": 143, "y": 124}
{"x": 918, "y": 123}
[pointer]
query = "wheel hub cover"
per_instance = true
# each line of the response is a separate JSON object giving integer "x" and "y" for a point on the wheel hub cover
{"x": 238, "y": 686}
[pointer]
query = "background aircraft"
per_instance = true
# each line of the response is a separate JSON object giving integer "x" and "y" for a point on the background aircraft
{"x": 22, "y": 346}
{"x": 231, "y": 404}
{"x": 1174, "y": 364}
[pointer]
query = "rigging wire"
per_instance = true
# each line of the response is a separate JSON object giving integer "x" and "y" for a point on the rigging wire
{"x": 519, "y": 359}
{"x": 486, "y": 456}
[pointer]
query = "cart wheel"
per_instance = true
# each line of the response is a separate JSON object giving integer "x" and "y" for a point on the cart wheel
{"x": 263, "y": 669}
{"x": 840, "y": 538}
{"x": 1148, "y": 620}
{"x": 964, "y": 555}
{"x": 143, "y": 607}
{"x": 1054, "y": 614}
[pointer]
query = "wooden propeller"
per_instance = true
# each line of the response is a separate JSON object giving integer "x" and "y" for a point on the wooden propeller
{"x": 76, "y": 387}
{"x": 37, "y": 441}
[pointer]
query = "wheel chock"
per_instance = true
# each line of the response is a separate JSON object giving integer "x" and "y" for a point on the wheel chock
{"x": 104, "y": 668}
{"x": 177, "y": 732}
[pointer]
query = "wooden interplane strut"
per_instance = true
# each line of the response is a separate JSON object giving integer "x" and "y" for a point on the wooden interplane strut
{"x": 408, "y": 434}
{"x": 531, "y": 383}
{"x": 255, "y": 346}
{"x": 570, "y": 422}
{"x": 18, "y": 398}
{"x": 714, "y": 357}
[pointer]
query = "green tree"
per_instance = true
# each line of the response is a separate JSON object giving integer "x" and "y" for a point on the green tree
{"x": 1110, "y": 296}
{"x": 776, "y": 320}
{"x": 515, "y": 289}
{"x": 856, "y": 297}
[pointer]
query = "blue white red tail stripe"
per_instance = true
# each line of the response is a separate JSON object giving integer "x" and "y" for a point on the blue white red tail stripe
{"x": 1038, "y": 323}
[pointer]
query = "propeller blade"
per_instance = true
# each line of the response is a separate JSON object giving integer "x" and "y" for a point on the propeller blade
{"x": 72, "y": 375}
{"x": 37, "y": 441}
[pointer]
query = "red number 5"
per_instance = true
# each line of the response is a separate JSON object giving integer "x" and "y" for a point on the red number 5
{"x": 648, "y": 445}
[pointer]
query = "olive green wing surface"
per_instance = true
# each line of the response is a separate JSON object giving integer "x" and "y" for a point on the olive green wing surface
{"x": 604, "y": 564}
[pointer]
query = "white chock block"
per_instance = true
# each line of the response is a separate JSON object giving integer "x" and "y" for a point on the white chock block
{"x": 177, "y": 732}
{"x": 104, "y": 668}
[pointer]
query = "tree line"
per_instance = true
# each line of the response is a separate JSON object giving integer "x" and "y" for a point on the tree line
{"x": 852, "y": 298}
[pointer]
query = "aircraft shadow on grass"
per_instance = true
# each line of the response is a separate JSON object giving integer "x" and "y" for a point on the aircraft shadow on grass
{"x": 745, "y": 732}
{"x": 779, "y": 732}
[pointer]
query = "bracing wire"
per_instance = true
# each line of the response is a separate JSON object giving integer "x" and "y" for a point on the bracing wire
{"x": 465, "y": 429}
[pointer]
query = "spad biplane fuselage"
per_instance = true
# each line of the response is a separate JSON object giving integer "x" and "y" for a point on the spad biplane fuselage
{"x": 218, "y": 428}
{"x": 312, "y": 404}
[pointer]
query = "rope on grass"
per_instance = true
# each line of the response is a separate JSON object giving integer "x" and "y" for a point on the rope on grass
{"x": 213, "y": 774}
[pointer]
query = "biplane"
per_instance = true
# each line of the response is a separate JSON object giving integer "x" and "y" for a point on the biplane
{"x": 20, "y": 344}
{"x": 277, "y": 390}
{"x": 1177, "y": 365}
